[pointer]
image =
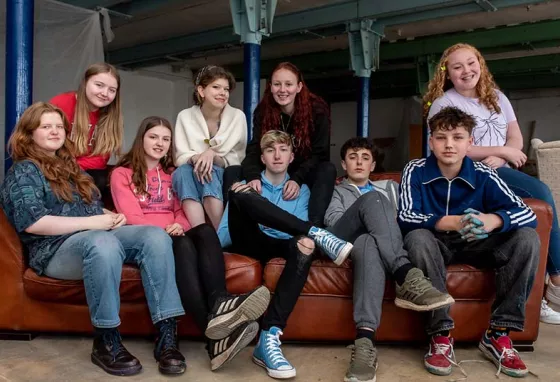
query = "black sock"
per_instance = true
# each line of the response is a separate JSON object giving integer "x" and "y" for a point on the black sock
{"x": 364, "y": 333}
{"x": 400, "y": 274}
{"x": 444, "y": 333}
{"x": 102, "y": 331}
{"x": 497, "y": 332}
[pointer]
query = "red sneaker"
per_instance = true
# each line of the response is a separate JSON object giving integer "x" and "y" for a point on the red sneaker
{"x": 504, "y": 356}
{"x": 440, "y": 357}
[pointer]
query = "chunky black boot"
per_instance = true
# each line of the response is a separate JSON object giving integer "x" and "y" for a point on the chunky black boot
{"x": 109, "y": 354}
{"x": 166, "y": 352}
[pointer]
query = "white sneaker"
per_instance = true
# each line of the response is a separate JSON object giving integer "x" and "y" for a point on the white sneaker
{"x": 553, "y": 293}
{"x": 548, "y": 315}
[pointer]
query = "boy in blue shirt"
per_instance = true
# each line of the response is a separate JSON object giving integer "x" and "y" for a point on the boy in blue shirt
{"x": 364, "y": 213}
{"x": 266, "y": 225}
{"x": 454, "y": 210}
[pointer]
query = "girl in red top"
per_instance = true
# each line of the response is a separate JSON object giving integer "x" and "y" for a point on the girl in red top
{"x": 142, "y": 192}
{"x": 94, "y": 111}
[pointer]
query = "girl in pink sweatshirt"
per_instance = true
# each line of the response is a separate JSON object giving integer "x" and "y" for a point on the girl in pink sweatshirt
{"x": 142, "y": 191}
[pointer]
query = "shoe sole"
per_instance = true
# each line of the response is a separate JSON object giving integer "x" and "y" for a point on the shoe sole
{"x": 172, "y": 370}
{"x": 344, "y": 253}
{"x": 242, "y": 341}
{"x": 506, "y": 370}
{"x": 353, "y": 379}
{"x": 276, "y": 374}
{"x": 423, "y": 308}
{"x": 133, "y": 370}
{"x": 550, "y": 322}
{"x": 249, "y": 310}
{"x": 438, "y": 370}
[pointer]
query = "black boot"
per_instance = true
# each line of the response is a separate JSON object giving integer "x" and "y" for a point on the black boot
{"x": 109, "y": 354}
{"x": 166, "y": 352}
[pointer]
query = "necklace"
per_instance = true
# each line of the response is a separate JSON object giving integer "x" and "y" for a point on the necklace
{"x": 285, "y": 127}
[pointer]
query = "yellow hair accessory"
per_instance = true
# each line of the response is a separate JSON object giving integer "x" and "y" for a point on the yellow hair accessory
{"x": 429, "y": 103}
{"x": 443, "y": 68}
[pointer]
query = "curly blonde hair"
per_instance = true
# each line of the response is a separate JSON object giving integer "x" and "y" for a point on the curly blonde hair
{"x": 485, "y": 88}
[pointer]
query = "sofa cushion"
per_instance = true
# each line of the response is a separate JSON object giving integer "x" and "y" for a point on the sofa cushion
{"x": 326, "y": 279}
{"x": 243, "y": 274}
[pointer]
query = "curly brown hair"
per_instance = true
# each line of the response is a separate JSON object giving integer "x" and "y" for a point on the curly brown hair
{"x": 208, "y": 74}
{"x": 61, "y": 170}
{"x": 269, "y": 112}
{"x": 135, "y": 158}
{"x": 450, "y": 118}
{"x": 485, "y": 88}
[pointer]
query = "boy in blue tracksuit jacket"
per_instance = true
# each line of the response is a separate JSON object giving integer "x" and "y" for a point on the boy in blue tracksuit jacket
{"x": 265, "y": 224}
{"x": 454, "y": 210}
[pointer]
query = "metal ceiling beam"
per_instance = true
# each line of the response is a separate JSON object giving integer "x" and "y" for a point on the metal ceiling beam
{"x": 385, "y": 12}
{"x": 90, "y": 4}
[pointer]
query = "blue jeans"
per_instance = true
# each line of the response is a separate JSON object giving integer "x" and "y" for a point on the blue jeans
{"x": 187, "y": 186}
{"x": 526, "y": 186}
{"x": 97, "y": 257}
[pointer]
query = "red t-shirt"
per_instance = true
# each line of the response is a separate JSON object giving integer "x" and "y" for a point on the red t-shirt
{"x": 67, "y": 103}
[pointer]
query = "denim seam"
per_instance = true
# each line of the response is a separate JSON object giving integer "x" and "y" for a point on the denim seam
{"x": 157, "y": 314}
{"x": 441, "y": 328}
{"x": 189, "y": 197}
{"x": 508, "y": 325}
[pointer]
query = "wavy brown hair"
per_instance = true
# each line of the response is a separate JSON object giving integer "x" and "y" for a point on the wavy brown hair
{"x": 208, "y": 74}
{"x": 109, "y": 134}
{"x": 135, "y": 158}
{"x": 268, "y": 111}
{"x": 61, "y": 170}
{"x": 485, "y": 88}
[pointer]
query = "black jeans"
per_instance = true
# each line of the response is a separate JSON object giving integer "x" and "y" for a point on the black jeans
{"x": 514, "y": 255}
{"x": 199, "y": 271}
{"x": 246, "y": 211}
{"x": 101, "y": 180}
{"x": 320, "y": 180}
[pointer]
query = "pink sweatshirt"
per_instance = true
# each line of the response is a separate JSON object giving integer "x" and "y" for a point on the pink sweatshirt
{"x": 161, "y": 209}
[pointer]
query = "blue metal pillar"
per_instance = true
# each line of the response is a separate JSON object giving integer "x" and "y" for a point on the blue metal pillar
{"x": 364, "y": 38}
{"x": 251, "y": 20}
{"x": 363, "y": 107}
{"x": 251, "y": 82}
{"x": 19, "y": 63}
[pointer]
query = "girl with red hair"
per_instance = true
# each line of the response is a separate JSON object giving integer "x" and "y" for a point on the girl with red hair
{"x": 289, "y": 106}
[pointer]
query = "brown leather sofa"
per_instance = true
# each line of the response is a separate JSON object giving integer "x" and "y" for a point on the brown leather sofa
{"x": 30, "y": 303}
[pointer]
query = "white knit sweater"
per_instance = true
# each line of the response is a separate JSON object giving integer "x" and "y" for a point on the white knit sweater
{"x": 229, "y": 143}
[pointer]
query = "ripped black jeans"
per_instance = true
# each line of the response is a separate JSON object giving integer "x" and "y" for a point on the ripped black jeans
{"x": 246, "y": 211}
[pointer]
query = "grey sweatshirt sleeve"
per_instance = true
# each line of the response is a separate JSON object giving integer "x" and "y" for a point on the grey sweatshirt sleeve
{"x": 335, "y": 209}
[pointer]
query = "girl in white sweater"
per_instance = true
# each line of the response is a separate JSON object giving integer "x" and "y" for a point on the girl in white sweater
{"x": 209, "y": 136}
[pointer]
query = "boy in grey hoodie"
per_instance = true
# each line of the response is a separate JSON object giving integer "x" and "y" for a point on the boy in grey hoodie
{"x": 364, "y": 213}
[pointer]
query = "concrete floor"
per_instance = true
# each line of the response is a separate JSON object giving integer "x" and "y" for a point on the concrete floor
{"x": 48, "y": 358}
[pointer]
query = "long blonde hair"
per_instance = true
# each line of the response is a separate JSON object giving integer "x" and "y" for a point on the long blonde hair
{"x": 62, "y": 170}
{"x": 109, "y": 134}
{"x": 485, "y": 88}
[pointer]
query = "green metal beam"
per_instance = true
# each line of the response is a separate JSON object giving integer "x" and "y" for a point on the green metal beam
{"x": 385, "y": 12}
{"x": 541, "y": 31}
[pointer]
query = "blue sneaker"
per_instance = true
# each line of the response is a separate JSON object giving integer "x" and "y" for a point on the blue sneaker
{"x": 268, "y": 354}
{"x": 336, "y": 249}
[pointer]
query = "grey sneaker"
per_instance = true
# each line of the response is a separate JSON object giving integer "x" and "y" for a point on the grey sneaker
{"x": 363, "y": 365}
{"x": 417, "y": 293}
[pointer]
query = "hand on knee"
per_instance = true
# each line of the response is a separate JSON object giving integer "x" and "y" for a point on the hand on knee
{"x": 306, "y": 246}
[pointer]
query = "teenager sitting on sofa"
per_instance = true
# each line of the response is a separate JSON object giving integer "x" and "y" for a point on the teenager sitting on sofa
{"x": 142, "y": 191}
{"x": 454, "y": 210}
{"x": 265, "y": 226}
{"x": 364, "y": 213}
{"x": 55, "y": 209}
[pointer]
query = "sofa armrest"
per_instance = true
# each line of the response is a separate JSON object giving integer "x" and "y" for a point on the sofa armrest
{"x": 12, "y": 266}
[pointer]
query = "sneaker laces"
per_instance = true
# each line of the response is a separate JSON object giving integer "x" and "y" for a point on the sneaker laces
{"x": 443, "y": 349}
{"x": 272, "y": 345}
{"x": 363, "y": 354}
{"x": 330, "y": 242}
{"x": 508, "y": 353}
{"x": 420, "y": 285}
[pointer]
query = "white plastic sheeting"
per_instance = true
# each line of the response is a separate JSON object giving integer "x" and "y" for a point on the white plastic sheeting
{"x": 67, "y": 40}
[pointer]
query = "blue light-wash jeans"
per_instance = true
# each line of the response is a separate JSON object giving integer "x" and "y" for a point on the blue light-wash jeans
{"x": 187, "y": 186}
{"x": 97, "y": 257}
{"x": 514, "y": 255}
{"x": 526, "y": 186}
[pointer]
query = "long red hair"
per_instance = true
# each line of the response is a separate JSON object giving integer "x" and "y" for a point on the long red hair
{"x": 62, "y": 170}
{"x": 268, "y": 111}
